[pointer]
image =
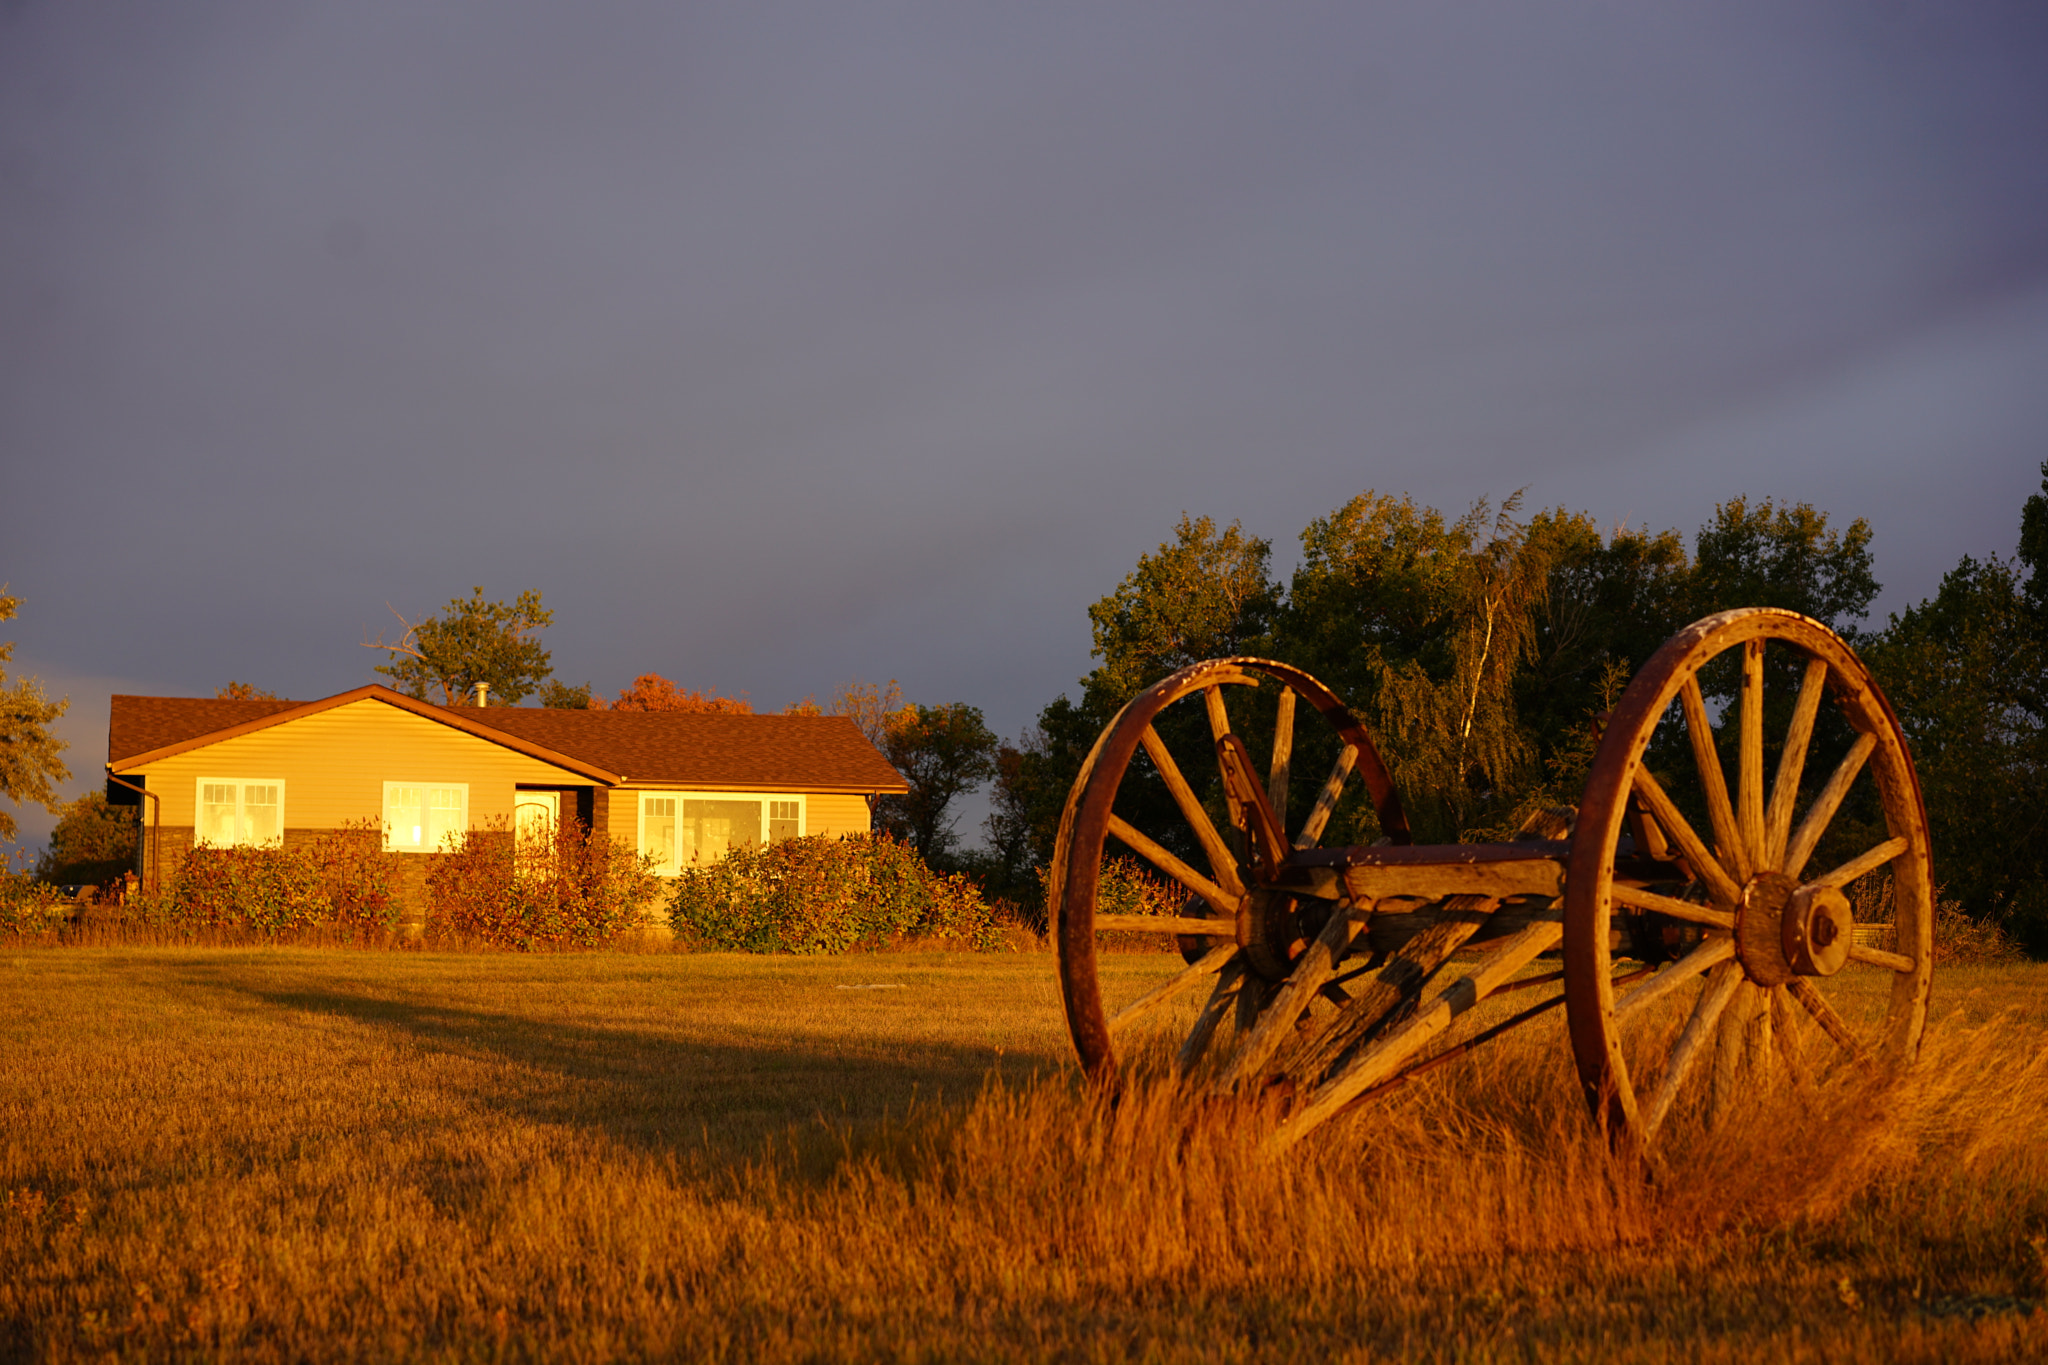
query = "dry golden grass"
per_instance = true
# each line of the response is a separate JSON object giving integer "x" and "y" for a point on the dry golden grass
{"x": 327, "y": 1155}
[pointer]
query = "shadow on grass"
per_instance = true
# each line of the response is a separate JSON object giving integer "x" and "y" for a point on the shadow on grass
{"x": 805, "y": 1106}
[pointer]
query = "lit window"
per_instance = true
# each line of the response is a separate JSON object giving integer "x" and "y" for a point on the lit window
{"x": 422, "y": 817}
{"x": 678, "y": 831}
{"x": 236, "y": 814}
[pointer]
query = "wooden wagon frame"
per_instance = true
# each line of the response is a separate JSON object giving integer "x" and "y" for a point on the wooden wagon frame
{"x": 1334, "y": 974}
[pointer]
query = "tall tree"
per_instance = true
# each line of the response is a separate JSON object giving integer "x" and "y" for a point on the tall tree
{"x": 1202, "y": 594}
{"x": 474, "y": 641}
{"x": 1966, "y": 671}
{"x": 1764, "y": 555}
{"x": 559, "y": 696}
{"x": 94, "y": 842}
{"x": 943, "y": 752}
{"x": 869, "y": 706}
{"x": 241, "y": 691}
{"x": 31, "y": 765}
{"x": 652, "y": 692}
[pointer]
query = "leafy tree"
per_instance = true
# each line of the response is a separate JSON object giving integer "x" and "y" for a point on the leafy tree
{"x": 1966, "y": 671}
{"x": 559, "y": 696}
{"x": 1200, "y": 595}
{"x": 652, "y": 692}
{"x": 241, "y": 691}
{"x": 1771, "y": 556}
{"x": 94, "y": 842}
{"x": 1424, "y": 627}
{"x": 943, "y": 752}
{"x": 30, "y": 766}
{"x": 869, "y": 706}
{"x": 475, "y": 641}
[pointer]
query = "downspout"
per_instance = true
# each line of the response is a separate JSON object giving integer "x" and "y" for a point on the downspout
{"x": 155, "y": 828}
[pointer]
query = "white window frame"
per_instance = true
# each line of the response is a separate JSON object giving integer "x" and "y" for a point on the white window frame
{"x": 392, "y": 845}
{"x": 241, "y": 786}
{"x": 679, "y": 795}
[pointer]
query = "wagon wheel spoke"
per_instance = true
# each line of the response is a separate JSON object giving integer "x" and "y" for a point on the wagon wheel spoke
{"x": 1706, "y": 1016}
{"x": 1672, "y": 906}
{"x": 1221, "y": 861}
{"x": 1709, "y": 954}
{"x": 1867, "y": 861}
{"x": 1326, "y": 800}
{"x": 1222, "y": 902}
{"x": 1830, "y": 1022}
{"x": 1785, "y": 1033}
{"x": 1282, "y": 767}
{"x": 1713, "y": 782}
{"x": 1792, "y": 763}
{"x": 1705, "y": 865}
{"x": 1208, "y": 965}
{"x": 1221, "y": 1006}
{"x": 1822, "y": 812}
{"x": 1750, "y": 793}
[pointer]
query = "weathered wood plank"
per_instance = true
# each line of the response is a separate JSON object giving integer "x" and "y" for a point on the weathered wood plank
{"x": 1381, "y": 1059}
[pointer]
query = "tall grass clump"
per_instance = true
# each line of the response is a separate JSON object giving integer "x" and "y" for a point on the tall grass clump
{"x": 553, "y": 889}
{"x": 342, "y": 881}
{"x": 819, "y": 894}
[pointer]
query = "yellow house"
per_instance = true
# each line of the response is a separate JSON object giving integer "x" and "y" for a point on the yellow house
{"x": 681, "y": 787}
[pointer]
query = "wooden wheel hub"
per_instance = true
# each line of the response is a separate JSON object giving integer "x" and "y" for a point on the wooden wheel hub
{"x": 1760, "y": 934}
{"x": 1818, "y": 931}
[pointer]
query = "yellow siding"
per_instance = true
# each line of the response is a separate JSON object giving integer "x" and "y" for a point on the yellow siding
{"x": 835, "y": 814}
{"x": 334, "y": 765}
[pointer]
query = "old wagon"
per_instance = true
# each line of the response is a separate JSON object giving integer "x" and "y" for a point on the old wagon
{"x": 1334, "y": 973}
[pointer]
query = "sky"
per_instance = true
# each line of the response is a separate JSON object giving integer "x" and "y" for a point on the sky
{"x": 784, "y": 345}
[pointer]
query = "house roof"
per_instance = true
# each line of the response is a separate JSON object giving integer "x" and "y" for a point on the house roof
{"x": 683, "y": 749}
{"x": 617, "y": 748}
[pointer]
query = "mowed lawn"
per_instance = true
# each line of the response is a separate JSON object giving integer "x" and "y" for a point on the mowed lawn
{"x": 326, "y": 1155}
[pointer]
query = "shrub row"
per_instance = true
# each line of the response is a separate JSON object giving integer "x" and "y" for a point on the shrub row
{"x": 343, "y": 880}
{"x": 819, "y": 894}
{"x": 563, "y": 889}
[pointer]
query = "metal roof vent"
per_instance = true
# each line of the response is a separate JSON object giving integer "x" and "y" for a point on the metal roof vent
{"x": 483, "y": 694}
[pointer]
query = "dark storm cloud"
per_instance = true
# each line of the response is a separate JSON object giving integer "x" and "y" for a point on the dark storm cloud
{"x": 781, "y": 345}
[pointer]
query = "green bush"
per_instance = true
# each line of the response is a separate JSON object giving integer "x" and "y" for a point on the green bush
{"x": 820, "y": 894}
{"x": 28, "y": 906}
{"x": 342, "y": 880}
{"x": 565, "y": 889}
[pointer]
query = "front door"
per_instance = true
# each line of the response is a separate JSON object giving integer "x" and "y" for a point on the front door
{"x": 536, "y": 815}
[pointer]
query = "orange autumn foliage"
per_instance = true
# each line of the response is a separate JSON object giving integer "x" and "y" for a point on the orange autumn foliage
{"x": 652, "y": 692}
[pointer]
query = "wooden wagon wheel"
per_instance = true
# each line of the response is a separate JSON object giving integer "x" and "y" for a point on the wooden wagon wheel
{"x": 1764, "y": 952}
{"x": 1233, "y": 931}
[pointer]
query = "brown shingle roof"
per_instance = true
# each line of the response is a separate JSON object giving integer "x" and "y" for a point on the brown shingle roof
{"x": 810, "y": 753}
{"x": 138, "y": 724}
{"x": 746, "y": 753}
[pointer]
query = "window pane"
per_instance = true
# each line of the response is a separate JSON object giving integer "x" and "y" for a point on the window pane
{"x": 658, "y": 831}
{"x": 444, "y": 816}
{"x": 217, "y": 814}
{"x": 262, "y": 821}
{"x": 783, "y": 821}
{"x": 405, "y": 816}
{"x": 712, "y": 829}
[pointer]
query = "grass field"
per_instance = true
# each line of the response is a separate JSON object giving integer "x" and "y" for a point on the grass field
{"x": 333, "y": 1155}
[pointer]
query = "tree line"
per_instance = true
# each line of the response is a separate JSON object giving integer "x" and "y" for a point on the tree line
{"x": 1480, "y": 651}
